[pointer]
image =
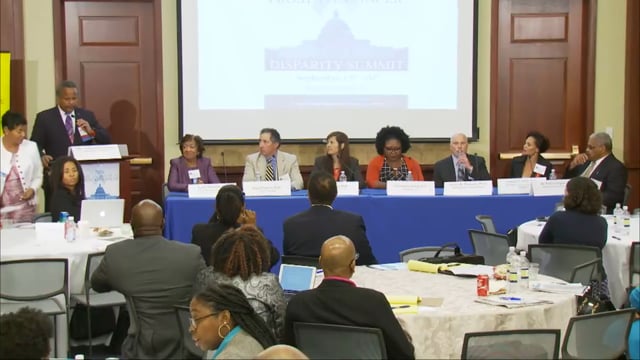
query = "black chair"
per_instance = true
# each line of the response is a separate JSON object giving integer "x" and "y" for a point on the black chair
{"x": 327, "y": 341}
{"x": 300, "y": 260}
{"x": 486, "y": 221}
{"x": 598, "y": 336}
{"x": 585, "y": 273}
{"x": 559, "y": 260}
{"x": 493, "y": 247}
{"x": 43, "y": 217}
{"x": 187, "y": 346}
{"x": 424, "y": 251}
{"x": 512, "y": 344}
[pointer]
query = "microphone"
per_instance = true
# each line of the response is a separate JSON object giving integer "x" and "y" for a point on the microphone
{"x": 224, "y": 166}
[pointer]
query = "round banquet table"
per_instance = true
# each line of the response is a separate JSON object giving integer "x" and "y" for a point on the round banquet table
{"x": 615, "y": 254}
{"x": 438, "y": 332}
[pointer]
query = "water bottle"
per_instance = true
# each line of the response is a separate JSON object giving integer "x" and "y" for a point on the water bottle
{"x": 258, "y": 177}
{"x": 617, "y": 218}
{"x": 70, "y": 229}
{"x": 524, "y": 271}
{"x": 510, "y": 253}
{"x": 512, "y": 277}
{"x": 626, "y": 221}
{"x": 409, "y": 176}
{"x": 342, "y": 177}
{"x": 553, "y": 175}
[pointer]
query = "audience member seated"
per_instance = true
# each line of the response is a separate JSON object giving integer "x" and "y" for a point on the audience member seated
{"x": 634, "y": 332}
{"x": 391, "y": 163}
{"x": 337, "y": 300}
{"x": 600, "y": 165}
{"x": 191, "y": 167}
{"x": 230, "y": 213}
{"x": 25, "y": 334}
{"x": 241, "y": 257}
{"x": 154, "y": 274}
{"x": 223, "y": 320}
{"x": 67, "y": 184}
{"x": 531, "y": 163}
{"x": 20, "y": 169}
{"x": 460, "y": 166}
{"x": 305, "y": 232}
{"x": 580, "y": 223}
{"x": 337, "y": 159}
{"x": 281, "y": 352}
{"x": 269, "y": 163}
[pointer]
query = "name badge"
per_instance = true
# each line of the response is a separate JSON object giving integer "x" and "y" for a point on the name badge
{"x": 194, "y": 174}
{"x": 348, "y": 188}
{"x": 468, "y": 188}
{"x": 205, "y": 191}
{"x": 517, "y": 185}
{"x": 549, "y": 187}
{"x": 540, "y": 169}
{"x": 267, "y": 188}
{"x": 411, "y": 188}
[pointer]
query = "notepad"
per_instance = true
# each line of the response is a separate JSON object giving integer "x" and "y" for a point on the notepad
{"x": 511, "y": 302}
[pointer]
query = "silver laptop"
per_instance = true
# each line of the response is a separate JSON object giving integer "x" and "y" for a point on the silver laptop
{"x": 296, "y": 278}
{"x": 103, "y": 213}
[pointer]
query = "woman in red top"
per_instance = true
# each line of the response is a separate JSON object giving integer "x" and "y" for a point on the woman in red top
{"x": 391, "y": 163}
{"x": 337, "y": 159}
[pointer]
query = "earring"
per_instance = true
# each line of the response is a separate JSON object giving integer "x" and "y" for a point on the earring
{"x": 220, "y": 330}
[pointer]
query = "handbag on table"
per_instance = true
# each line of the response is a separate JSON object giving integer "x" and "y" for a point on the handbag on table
{"x": 457, "y": 257}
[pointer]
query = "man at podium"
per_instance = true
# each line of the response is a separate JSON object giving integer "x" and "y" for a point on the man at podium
{"x": 62, "y": 126}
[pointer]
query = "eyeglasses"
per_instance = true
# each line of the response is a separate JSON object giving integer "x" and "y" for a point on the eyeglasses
{"x": 194, "y": 322}
{"x": 390, "y": 149}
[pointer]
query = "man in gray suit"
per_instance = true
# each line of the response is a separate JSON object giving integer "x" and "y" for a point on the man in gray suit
{"x": 272, "y": 164}
{"x": 154, "y": 274}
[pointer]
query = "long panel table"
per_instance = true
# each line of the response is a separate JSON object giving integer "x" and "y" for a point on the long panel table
{"x": 394, "y": 223}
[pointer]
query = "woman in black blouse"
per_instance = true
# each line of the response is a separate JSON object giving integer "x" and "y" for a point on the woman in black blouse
{"x": 338, "y": 159}
{"x": 67, "y": 182}
{"x": 531, "y": 163}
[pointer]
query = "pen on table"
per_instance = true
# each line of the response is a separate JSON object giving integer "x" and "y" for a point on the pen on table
{"x": 319, "y": 271}
{"x": 509, "y": 298}
{"x": 615, "y": 237}
{"x": 401, "y": 307}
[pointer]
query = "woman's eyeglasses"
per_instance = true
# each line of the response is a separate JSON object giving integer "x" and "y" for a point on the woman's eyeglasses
{"x": 194, "y": 322}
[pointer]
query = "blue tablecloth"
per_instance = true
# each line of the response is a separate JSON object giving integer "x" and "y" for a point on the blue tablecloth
{"x": 393, "y": 223}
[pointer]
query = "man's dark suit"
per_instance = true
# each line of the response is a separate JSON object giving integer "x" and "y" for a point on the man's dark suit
{"x": 155, "y": 274}
{"x": 52, "y": 139}
{"x": 205, "y": 236}
{"x": 305, "y": 232}
{"x": 613, "y": 175}
{"x": 444, "y": 170}
{"x": 340, "y": 303}
{"x": 51, "y": 135}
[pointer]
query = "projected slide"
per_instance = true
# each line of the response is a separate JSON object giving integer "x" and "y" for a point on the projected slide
{"x": 350, "y": 65}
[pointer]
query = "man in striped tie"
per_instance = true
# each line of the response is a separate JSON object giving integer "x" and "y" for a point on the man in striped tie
{"x": 270, "y": 163}
{"x": 600, "y": 165}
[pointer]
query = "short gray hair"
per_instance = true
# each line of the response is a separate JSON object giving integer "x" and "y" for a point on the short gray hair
{"x": 604, "y": 139}
{"x": 67, "y": 84}
{"x": 458, "y": 134}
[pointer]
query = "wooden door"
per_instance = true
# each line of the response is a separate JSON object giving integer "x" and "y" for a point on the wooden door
{"x": 112, "y": 50}
{"x": 542, "y": 77}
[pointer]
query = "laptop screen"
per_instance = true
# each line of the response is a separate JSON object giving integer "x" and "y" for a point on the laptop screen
{"x": 296, "y": 277}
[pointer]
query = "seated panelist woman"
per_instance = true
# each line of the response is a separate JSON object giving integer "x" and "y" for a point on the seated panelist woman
{"x": 392, "y": 164}
{"x": 337, "y": 159}
{"x": 191, "y": 167}
{"x": 531, "y": 163}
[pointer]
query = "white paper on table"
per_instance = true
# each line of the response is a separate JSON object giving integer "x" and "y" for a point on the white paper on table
{"x": 517, "y": 185}
{"x": 49, "y": 231}
{"x": 468, "y": 188}
{"x": 510, "y": 302}
{"x": 549, "y": 187}
{"x": 205, "y": 191}
{"x": 467, "y": 269}
{"x": 95, "y": 152}
{"x": 411, "y": 188}
{"x": 559, "y": 288}
{"x": 348, "y": 188}
{"x": 267, "y": 188}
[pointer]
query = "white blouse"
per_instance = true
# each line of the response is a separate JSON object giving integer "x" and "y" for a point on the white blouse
{"x": 28, "y": 163}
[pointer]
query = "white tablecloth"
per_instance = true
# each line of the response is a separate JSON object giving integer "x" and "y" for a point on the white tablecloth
{"x": 438, "y": 333}
{"x": 21, "y": 243}
{"x": 615, "y": 255}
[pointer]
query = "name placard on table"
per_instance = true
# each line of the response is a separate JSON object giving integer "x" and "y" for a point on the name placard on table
{"x": 49, "y": 231}
{"x": 267, "y": 188}
{"x": 468, "y": 188}
{"x": 517, "y": 185}
{"x": 95, "y": 152}
{"x": 549, "y": 187}
{"x": 411, "y": 188}
{"x": 205, "y": 191}
{"x": 348, "y": 188}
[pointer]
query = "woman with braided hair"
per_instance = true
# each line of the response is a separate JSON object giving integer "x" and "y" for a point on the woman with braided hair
{"x": 241, "y": 258}
{"x": 223, "y": 320}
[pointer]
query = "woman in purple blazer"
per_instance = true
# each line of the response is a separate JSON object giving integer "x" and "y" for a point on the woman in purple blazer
{"x": 191, "y": 167}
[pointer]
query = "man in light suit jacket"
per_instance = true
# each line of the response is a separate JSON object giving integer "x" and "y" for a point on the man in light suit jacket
{"x": 53, "y": 137}
{"x": 154, "y": 274}
{"x": 304, "y": 233}
{"x": 337, "y": 300}
{"x": 601, "y": 166}
{"x": 460, "y": 166}
{"x": 283, "y": 165}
